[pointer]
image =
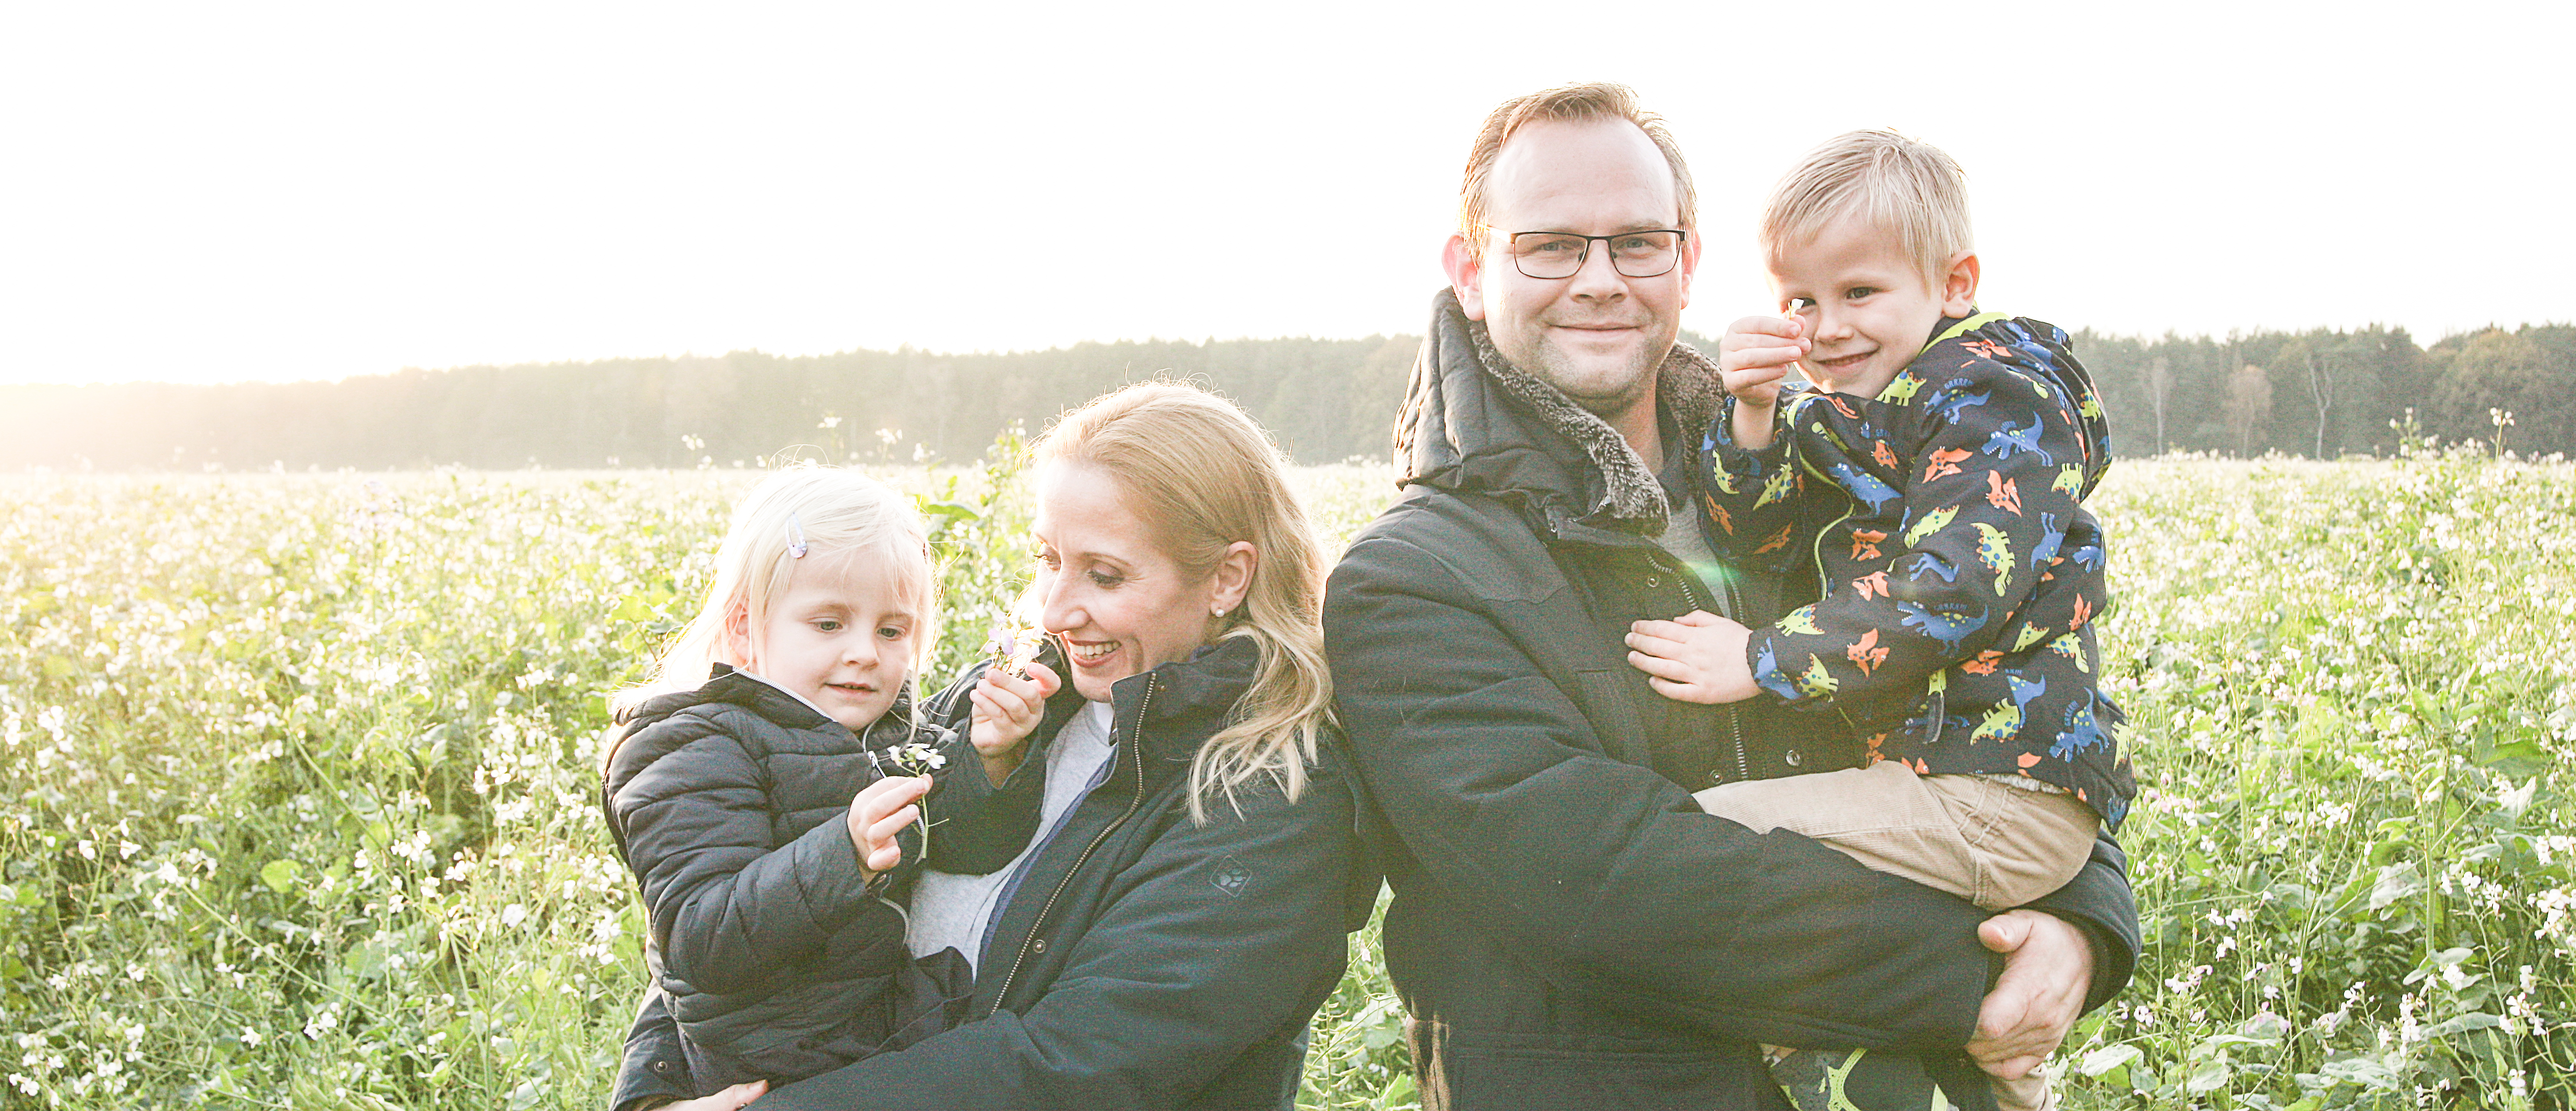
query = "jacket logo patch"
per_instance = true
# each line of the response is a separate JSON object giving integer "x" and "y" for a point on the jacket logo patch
{"x": 1231, "y": 877}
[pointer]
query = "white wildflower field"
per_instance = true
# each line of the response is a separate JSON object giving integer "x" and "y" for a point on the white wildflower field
{"x": 298, "y": 781}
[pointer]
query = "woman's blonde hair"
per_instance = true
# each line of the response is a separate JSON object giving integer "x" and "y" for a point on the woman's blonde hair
{"x": 826, "y": 512}
{"x": 1902, "y": 186}
{"x": 1202, "y": 476}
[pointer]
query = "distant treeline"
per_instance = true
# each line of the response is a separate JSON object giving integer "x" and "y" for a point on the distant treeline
{"x": 2322, "y": 393}
{"x": 2330, "y": 393}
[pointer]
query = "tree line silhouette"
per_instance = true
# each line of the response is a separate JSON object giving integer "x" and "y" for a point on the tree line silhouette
{"x": 2323, "y": 393}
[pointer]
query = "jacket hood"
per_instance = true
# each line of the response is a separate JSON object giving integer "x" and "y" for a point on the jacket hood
{"x": 1474, "y": 422}
{"x": 728, "y": 685}
{"x": 1193, "y": 698}
{"x": 1190, "y": 700}
{"x": 2042, "y": 350}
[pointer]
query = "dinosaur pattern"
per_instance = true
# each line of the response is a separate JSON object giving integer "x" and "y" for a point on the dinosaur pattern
{"x": 2004, "y": 720}
{"x": 1975, "y": 459}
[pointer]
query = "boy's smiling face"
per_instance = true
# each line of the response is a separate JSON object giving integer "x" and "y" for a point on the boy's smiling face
{"x": 1870, "y": 309}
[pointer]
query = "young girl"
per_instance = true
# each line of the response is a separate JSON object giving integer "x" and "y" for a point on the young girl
{"x": 762, "y": 776}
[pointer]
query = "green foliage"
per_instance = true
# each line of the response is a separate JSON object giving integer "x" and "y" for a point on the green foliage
{"x": 297, "y": 780}
{"x": 2352, "y": 694}
{"x": 979, "y": 533}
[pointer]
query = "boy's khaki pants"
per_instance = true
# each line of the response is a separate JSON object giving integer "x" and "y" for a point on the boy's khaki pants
{"x": 1989, "y": 842}
{"x": 1994, "y": 844}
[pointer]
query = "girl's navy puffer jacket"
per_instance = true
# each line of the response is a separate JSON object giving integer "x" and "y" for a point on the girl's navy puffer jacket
{"x": 773, "y": 953}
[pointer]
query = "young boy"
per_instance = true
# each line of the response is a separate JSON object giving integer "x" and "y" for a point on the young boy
{"x": 1927, "y": 480}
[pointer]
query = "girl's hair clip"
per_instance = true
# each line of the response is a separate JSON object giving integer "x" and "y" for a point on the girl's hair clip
{"x": 795, "y": 538}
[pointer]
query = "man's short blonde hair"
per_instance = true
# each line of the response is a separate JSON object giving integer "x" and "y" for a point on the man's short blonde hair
{"x": 1902, "y": 186}
{"x": 1595, "y": 101}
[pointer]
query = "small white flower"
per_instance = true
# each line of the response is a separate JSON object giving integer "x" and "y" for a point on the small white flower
{"x": 916, "y": 759}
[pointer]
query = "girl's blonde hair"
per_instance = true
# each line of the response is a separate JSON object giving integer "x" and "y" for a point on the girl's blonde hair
{"x": 1903, "y": 186}
{"x": 832, "y": 513}
{"x": 1202, "y": 476}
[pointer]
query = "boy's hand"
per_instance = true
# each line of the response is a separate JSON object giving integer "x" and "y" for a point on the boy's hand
{"x": 880, "y": 812}
{"x": 1007, "y": 710}
{"x": 1757, "y": 352}
{"x": 1698, "y": 657}
{"x": 1753, "y": 357}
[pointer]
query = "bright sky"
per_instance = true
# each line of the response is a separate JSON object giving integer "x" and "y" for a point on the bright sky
{"x": 219, "y": 192}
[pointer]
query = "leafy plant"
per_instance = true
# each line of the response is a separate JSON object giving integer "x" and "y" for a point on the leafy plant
{"x": 298, "y": 775}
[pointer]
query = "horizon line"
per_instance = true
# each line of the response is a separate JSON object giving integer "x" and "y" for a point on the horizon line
{"x": 2232, "y": 335}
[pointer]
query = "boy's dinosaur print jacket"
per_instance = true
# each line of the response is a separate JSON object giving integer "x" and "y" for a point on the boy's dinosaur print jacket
{"x": 1958, "y": 572}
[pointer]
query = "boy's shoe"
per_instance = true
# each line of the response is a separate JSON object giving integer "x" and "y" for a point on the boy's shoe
{"x": 1856, "y": 1080}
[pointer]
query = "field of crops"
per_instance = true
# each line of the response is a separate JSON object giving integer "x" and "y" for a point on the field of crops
{"x": 297, "y": 774}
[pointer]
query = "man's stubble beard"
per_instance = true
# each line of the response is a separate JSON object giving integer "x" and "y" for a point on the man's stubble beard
{"x": 1557, "y": 369}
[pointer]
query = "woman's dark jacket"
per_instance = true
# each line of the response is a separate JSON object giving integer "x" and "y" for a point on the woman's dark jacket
{"x": 1144, "y": 960}
{"x": 764, "y": 942}
{"x": 1568, "y": 928}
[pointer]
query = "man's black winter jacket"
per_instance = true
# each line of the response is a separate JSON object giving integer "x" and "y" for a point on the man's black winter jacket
{"x": 1568, "y": 928}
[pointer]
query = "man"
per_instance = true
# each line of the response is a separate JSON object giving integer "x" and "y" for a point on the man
{"x": 1568, "y": 928}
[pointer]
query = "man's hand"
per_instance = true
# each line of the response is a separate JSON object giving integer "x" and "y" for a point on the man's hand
{"x": 1698, "y": 657}
{"x": 880, "y": 812}
{"x": 1007, "y": 709}
{"x": 726, "y": 1100}
{"x": 1753, "y": 357}
{"x": 2048, "y": 969}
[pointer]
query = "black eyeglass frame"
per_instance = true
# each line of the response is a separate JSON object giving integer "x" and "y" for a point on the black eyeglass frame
{"x": 1681, "y": 243}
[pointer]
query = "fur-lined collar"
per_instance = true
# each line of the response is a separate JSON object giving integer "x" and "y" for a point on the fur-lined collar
{"x": 1450, "y": 424}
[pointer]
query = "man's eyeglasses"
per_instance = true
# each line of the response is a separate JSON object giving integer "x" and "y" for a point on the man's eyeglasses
{"x": 1634, "y": 254}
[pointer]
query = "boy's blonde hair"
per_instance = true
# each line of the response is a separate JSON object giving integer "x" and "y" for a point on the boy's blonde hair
{"x": 1900, "y": 185}
{"x": 1201, "y": 476}
{"x": 835, "y": 514}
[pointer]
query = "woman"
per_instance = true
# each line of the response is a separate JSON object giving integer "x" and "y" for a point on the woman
{"x": 1168, "y": 935}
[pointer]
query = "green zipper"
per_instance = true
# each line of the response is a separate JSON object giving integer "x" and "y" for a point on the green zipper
{"x": 1134, "y": 743}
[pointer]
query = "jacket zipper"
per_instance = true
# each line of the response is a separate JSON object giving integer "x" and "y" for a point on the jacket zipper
{"x": 1734, "y": 608}
{"x": 1734, "y": 605}
{"x": 1134, "y": 743}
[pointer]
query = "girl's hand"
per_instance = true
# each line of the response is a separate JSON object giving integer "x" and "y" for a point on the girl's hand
{"x": 880, "y": 812}
{"x": 1008, "y": 709}
{"x": 1698, "y": 657}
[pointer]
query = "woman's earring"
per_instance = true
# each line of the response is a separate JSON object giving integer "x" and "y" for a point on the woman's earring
{"x": 1217, "y": 610}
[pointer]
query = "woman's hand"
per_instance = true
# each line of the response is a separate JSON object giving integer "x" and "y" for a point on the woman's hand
{"x": 2048, "y": 970}
{"x": 880, "y": 812}
{"x": 1007, "y": 710}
